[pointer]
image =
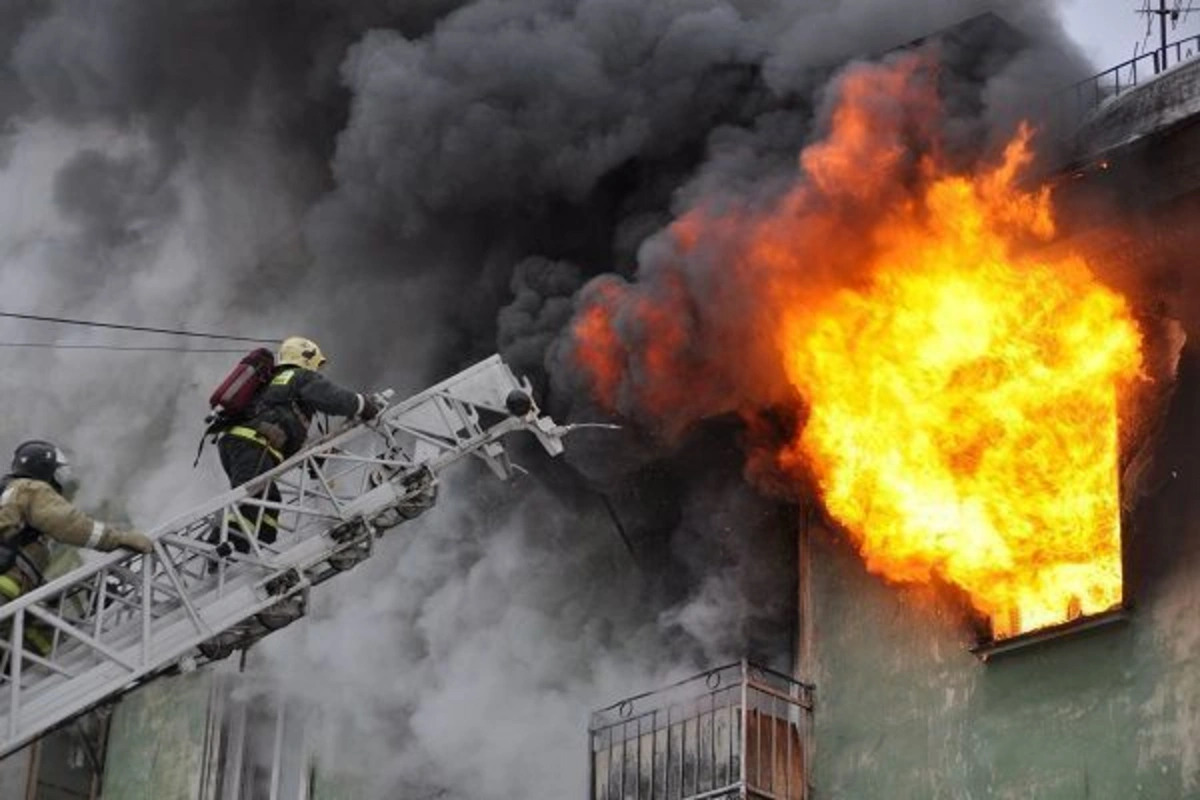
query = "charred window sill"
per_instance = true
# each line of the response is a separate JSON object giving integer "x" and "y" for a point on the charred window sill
{"x": 988, "y": 649}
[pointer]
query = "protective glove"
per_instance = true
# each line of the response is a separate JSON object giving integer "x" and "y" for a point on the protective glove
{"x": 370, "y": 408}
{"x": 132, "y": 540}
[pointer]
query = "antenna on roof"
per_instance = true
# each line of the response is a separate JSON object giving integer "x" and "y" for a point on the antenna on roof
{"x": 1163, "y": 13}
{"x": 1191, "y": 6}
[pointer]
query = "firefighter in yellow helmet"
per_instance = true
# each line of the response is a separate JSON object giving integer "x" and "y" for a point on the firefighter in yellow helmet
{"x": 278, "y": 428}
{"x": 32, "y": 510}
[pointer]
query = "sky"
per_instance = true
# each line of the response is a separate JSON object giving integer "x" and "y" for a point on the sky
{"x": 1108, "y": 30}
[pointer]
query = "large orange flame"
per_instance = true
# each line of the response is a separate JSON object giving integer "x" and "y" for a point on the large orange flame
{"x": 964, "y": 407}
{"x": 961, "y": 387}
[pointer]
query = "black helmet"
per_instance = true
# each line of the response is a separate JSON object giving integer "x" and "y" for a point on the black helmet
{"x": 41, "y": 461}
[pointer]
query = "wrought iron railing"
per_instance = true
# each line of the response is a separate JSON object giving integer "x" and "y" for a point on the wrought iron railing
{"x": 738, "y": 731}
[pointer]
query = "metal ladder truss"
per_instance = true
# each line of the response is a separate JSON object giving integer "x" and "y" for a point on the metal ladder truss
{"x": 125, "y": 618}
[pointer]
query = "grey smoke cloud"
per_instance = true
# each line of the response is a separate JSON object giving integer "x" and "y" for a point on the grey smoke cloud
{"x": 13, "y": 96}
{"x": 542, "y": 305}
{"x": 508, "y": 101}
{"x": 111, "y": 200}
{"x": 416, "y": 184}
{"x": 479, "y": 642}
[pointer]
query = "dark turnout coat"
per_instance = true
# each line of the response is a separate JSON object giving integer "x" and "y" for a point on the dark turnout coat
{"x": 285, "y": 409}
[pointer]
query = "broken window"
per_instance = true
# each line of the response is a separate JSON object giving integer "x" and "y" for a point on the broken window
{"x": 1104, "y": 575}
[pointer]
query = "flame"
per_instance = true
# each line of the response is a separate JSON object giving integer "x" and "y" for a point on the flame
{"x": 961, "y": 388}
{"x": 964, "y": 404}
{"x": 963, "y": 416}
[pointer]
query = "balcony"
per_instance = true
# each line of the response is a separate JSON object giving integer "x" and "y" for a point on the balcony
{"x": 1067, "y": 107}
{"x": 738, "y": 731}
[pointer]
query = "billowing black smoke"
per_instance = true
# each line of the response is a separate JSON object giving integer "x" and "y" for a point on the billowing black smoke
{"x": 416, "y": 184}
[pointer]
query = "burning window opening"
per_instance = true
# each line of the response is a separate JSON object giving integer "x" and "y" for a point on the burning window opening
{"x": 735, "y": 731}
{"x": 968, "y": 400}
{"x": 1139, "y": 434}
{"x": 1140, "y": 431}
{"x": 960, "y": 374}
{"x": 965, "y": 407}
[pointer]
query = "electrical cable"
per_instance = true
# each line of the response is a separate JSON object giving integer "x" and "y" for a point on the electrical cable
{"x": 620, "y": 527}
{"x": 140, "y": 328}
{"x": 121, "y": 348}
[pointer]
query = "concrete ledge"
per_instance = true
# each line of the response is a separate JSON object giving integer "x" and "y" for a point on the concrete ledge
{"x": 990, "y": 649}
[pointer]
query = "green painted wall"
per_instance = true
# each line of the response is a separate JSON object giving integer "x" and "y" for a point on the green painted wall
{"x": 904, "y": 711}
{"x": 341, "y": 770}
{"x": 157, "y": 741}
{"x": 337, "y": 785}
{"x": 14, "y": 775}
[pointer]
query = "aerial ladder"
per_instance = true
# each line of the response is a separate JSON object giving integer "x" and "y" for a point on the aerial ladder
{"x": 124, "y": 619}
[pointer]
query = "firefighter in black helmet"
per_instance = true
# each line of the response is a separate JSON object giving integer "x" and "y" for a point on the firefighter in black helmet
{"x": 278, "y": 429}
{"x": 32, "y": 510}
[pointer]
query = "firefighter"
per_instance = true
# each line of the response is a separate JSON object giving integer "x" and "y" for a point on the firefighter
{"x": 278, "y": 428}
{"x": 32, "y": 509}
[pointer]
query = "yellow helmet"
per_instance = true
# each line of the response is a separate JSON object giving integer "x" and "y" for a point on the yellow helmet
{"x": 301, "y": 352}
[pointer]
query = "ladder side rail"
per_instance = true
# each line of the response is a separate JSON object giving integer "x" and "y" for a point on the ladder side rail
{"x": 111, "y": 670}
{"x": 105, "y": 679}
{"x": 188, "y": 609}
{"x": 243, "y": 494}
{"x": 167, "y": 562}
{"x": 477, "y": 384}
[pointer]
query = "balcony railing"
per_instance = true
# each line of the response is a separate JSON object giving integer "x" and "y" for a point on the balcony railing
{"x": 1072, "y": 103}
{"x": 738, "y": 731}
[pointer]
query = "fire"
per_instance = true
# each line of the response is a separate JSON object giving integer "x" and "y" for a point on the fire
{"x": 961, "y": 388}
{"x": 964, "y": 411}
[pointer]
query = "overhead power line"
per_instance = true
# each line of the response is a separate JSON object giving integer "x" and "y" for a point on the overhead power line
{"x": 122, "y": 348}
{"x": 141, "y": 328}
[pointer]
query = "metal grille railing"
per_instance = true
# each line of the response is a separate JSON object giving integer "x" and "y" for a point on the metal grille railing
{"x": 1071, "y": 104}
{"x": 738, "y": 731}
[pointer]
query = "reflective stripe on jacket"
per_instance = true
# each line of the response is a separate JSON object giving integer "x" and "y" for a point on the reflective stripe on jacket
{"x": 34, "y": 503}
{"x": 242, "y": 432}
{"x": 292, "y": 398}
{"x": 30, "y": 511}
